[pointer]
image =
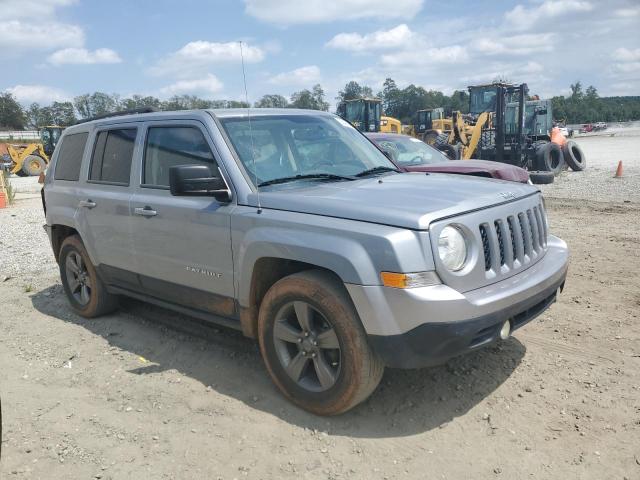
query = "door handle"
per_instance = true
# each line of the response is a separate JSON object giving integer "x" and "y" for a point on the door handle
{"x": 145, "y": 212}
{"x": 87, "y": 203}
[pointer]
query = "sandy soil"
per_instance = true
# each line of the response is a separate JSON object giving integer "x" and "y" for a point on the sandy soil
{"x": 145, "y": 393}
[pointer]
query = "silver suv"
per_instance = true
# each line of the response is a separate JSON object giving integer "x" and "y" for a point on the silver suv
{"x": 294, "y": 228}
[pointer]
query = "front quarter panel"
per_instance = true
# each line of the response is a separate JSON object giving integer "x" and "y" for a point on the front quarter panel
{"x": 355, "y": 251}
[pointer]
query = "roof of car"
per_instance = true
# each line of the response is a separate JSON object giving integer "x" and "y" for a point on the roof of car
{"x": 182, "y": 114}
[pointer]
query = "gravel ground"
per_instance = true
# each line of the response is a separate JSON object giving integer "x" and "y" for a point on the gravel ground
{"x": 145, "y": 393}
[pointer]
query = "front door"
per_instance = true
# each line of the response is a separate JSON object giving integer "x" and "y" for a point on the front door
{"x": 182, "y": 244}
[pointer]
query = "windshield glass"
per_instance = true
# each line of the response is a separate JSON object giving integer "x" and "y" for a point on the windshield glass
{"x": 292, "y": 145}
{"x": 483, "y": 100}
{"x": 409, "y": 151}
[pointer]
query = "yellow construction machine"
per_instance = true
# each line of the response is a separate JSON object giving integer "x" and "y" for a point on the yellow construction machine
{"x": 30, "y": 159}
{"x": 366, "y": 115}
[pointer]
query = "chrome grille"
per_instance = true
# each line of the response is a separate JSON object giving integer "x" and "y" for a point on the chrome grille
{"x": 512, "y": 242}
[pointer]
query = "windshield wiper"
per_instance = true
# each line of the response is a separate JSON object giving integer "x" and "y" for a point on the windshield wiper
{"x": 321, "y": 176}
{"x": 374, "y": 170}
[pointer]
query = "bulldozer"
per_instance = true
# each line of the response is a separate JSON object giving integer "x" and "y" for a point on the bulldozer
{"x": 30, "y": 159}
{"x": 366, "y": 115}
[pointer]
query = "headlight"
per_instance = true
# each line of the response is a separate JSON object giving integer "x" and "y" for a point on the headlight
{"x": 452, "y": 248}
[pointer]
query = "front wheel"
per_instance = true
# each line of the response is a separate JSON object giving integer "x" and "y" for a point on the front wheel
{"x": 33, "y": 165}
{"x": 314, "y": 346}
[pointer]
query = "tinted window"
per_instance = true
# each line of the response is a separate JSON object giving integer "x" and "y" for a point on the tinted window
{"x": 70, "y": 157}
{"x": 112, "y": 156}
{"x": 170, "y": 146}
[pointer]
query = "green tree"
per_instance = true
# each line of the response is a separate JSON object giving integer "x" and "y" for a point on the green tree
{"x": 353, "y": 90}
{"x": 576, "y": 90}
{"x": 310, "y": 99}
{"x": 11, "y": 113}
{"x": 272, "y": 101}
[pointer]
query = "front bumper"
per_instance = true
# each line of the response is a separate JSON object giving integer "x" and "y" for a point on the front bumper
{"x": 426, "y": 326}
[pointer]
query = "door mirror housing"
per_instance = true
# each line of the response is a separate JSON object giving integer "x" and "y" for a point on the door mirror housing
{"x": 198, "y": 181}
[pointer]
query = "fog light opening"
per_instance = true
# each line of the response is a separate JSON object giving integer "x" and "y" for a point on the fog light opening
{"x": 505, "y": 331}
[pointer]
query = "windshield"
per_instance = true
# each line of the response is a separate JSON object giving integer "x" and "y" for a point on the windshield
{"x": 301, "y": 145}
{"x": 483, "y": 100}
{"x": 409, "y": 151}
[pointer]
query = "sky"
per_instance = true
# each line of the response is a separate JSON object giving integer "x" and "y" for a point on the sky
{"x": 53, "y": 50}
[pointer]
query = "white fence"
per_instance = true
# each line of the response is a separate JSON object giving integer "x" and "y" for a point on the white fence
{"x": 19, "y": 135}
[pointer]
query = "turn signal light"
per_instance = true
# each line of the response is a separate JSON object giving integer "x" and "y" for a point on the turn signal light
{"x": 409, "y": 280}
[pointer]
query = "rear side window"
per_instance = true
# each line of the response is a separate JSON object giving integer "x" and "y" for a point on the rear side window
{"x": 112, "y": 155}
{"x": 70, "y": 157}
{"x": 170, "y": 146}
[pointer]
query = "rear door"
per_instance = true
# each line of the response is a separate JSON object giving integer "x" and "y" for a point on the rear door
{"x": 104, "y": 202}
{"x": 182, "y": 244}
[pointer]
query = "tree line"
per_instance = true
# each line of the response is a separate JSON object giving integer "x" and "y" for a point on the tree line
{"x": 582, "y": 106}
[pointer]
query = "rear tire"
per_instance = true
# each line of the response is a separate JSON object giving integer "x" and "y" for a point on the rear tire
{"x": 85, "y": 291}
{"x": 574, "y": 156}
{"x": 343, "y": 370}
{"x": 33, "y": 166}
{"x": 549, "y": 158}
{"x": 541, "y": 178}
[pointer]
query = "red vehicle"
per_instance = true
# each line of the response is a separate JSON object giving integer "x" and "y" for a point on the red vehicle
{"x": 413, "y": 155}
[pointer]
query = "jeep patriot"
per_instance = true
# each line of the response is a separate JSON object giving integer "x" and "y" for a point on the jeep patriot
{"x": 293, "y": 227}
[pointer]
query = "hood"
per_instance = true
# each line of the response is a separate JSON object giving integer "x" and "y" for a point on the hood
{"x": 503, "y": 171}
{"x": 407, "y": 200}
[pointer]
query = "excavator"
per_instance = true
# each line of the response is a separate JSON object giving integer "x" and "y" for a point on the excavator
{"x": 366, "y": 115}
{"x": 30, "y": 159}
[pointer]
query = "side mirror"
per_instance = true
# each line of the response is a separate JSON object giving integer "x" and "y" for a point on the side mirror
{"x": 197, "y": 181}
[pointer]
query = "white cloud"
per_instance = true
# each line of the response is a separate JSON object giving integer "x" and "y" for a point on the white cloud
{"x": 208, "y": 85}
{"x": 289, "y": 12}
{"x": 303, "y": 76}
{"x": 628, "y": 12}
{"x": 38, "y": 93}
{"x": 82, "y": 56}
{"x": 19, "y": 36}
{"x": 523, "y": 18}
{"x": 627, "y": 55}
{"x": 515, "y": 45}
{"x": 199, "y": 55}
{"x": 32, "y": 8}
{"x": 397, "y": 37}
{"x": 425, "y": 57}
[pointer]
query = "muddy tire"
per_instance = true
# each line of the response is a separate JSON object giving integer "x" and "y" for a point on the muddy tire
{"x": 441, "y": 140}
{"x": 541, "y": 178}
{"x": 574, "y": 156}
{"x": 314, "y": 346}
{"x": 33, "y": 166}
{"x": 430, "y": 137}
{"x": 550, "y": 158}
{"x": 85, "y": 291}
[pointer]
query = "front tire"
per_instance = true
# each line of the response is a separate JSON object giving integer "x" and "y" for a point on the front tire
{"x": 85, "y": 291}
{"x": 314, "y": 346}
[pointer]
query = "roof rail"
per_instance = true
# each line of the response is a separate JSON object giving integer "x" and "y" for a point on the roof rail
{"x": 131, "y": 111}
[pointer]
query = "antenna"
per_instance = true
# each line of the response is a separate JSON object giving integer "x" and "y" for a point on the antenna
{"x": 253, "y": 153}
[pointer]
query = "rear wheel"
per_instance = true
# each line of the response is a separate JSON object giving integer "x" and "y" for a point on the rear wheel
{"x": 441, "y": 140}
{"x": 33, "y": 165}
{"x": 314, "y": 346}
{"x": 85, "y": 291}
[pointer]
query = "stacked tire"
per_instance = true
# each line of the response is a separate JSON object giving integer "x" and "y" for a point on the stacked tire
{"x": 574, "y": 156}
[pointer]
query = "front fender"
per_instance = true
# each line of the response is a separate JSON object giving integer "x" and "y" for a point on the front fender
{"x": 346, "y": 257}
